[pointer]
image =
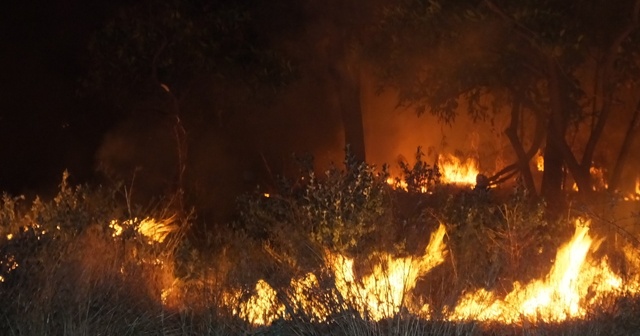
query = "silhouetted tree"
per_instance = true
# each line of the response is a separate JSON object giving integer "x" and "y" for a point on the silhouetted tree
{"x": 165, "y": 55}
{"x": 564, "y": 69}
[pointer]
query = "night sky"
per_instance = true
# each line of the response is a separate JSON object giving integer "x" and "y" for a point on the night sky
{"x": 45, "y": 126}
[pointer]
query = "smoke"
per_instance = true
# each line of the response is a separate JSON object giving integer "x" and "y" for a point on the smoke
{"x": 394, "y": 133}
{"x": 236, "y": 143}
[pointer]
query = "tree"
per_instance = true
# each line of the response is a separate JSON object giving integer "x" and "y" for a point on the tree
{"x": 332, "y": 39}
{"x": 160, "y": 55}
{"x": 565, "y": 66}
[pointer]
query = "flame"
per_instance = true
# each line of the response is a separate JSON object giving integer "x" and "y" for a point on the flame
{"x": 598, "y": 178}
{"x": 397, "y": 183}
{"x": 540, "y": 162}
{"x": 157, "y": 230}
{"x": 153, "y": 229}
{"x": 456, "y": 171}
{"x": 262, "y": 308}
{"x": 561, "y": 295}
{"x": 379, "y": 294}
{"x": 573, "y": 287}
{"x": 452, "y": 171}
{"x": 635, "y": 196}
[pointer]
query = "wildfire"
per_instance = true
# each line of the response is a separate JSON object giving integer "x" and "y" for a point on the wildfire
{"x": 635, "y": 196}
{"x": 452, "y": 171}
{"x": 153, "y": 229}
{"x": 456, "y": 171}
{"x": 262, "y": 307}
{"x": 400, "y": 184}
{"x": 571, "y": 287}
{"x": 540, "y": 162}
{"x": 379, "y": 294}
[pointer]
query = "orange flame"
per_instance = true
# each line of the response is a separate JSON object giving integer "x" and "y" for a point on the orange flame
{"x": 635, "y": 196}
{"x": 540, "y": 162}
{"x": 560, "y": 296}
{"x": 572, "y": 288}
{"x": 452, "y": 171}
{"x": 153, "y": 229}
{"x": 382, "y": 293}
{"x": 456, "y": 171}
{"x": 379, "y": 294}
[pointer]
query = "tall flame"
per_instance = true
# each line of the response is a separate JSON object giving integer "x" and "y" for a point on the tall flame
{"x": 379, "y": 294}
{"x": 559, "y": 296}
{"x": 382, "y": 293}
{"x": 456, "y": 171}
{"x": 571, "y": 289}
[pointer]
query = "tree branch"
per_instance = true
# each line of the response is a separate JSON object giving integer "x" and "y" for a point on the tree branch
{"x": 607, "y": 85}
{"x": 625, "y": 149}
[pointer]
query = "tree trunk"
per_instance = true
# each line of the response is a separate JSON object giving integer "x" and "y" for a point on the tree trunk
{"x": 556, "y": 131}
{"x": 523, "y": 159}
{"x": 552, "y": 177}
{"x": 625, "y": 150}
{"x": 345, "y": 73}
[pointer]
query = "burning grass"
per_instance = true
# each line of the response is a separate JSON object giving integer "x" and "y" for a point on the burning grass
{"x": 343, "y": 254}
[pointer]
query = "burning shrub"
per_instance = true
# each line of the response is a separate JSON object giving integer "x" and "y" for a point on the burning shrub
{"x": 421, "y": 177}
{"x": 68, "y": 269}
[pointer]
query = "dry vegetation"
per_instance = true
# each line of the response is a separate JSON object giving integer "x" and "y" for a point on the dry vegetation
{"x": 85, "y": 262}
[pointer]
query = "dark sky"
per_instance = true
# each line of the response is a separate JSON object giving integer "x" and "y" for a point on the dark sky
{"x": 45, "y": 126}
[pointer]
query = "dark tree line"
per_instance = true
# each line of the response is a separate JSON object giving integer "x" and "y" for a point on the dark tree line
{"x": 561, "y": 71}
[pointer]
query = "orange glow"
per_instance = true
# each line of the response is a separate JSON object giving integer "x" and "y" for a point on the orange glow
{"x": 540, "y": 162}
{"x": 398, "y": 184}
{"x": 452, "y": 171}
{"x": 157, "y": 230}
{"x": 598, "y": 178}
{"x": 572, "y": 286}
{"x": 262, "y": 307}
{"x": 635, "y": 196}
{"x": 379, "y": 294}
{"x": 456, "y": 171}
{"x": 153, "y": 229}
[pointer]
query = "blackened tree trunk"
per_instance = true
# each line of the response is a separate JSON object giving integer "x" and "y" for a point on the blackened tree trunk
{"x": 346, "y": 78}
{"x": 553, "y": 177}
{"x": 625, "y": 150}
{"x": 345, "y": 72}
{"x": 523, "y": 156}
{"x": 556, "y": 150}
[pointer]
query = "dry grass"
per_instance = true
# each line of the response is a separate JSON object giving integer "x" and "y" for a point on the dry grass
{"x": 74, "y": 277}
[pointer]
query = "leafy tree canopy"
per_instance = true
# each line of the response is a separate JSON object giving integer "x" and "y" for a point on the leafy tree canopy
{"x": 565, "y": 64}
{"x": 178, "y": 41}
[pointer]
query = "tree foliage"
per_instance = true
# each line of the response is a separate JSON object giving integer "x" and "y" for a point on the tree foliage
{"x": 179, "y": 41}
{"x": 339, "y": 211}
{"x": 564, "y": 66}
